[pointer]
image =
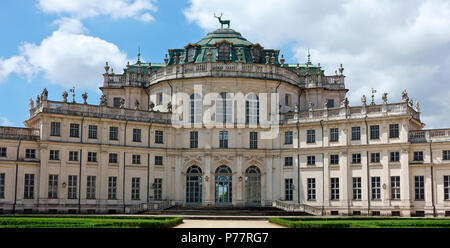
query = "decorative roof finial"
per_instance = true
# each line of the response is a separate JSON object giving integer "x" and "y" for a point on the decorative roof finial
{"x": 373, "y": 96}
{"x": 227, "y": 22}
{"x": 309, "y": 57}
{"x": 282, "y": 60}
{"x": 139, "y": 55}
{"x": 166, "y": 60}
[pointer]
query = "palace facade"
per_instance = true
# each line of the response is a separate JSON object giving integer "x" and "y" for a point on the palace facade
{"x": 125, "y": 154}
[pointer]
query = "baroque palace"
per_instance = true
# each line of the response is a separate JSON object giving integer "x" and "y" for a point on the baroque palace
{"x": 126, "y": 153}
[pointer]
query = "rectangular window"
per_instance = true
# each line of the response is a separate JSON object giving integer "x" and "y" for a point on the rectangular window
{"x": 356, "y": 188}
{"x": 446, "y": 155}
{"x": 223, "y": 139}
{"x": 446, "y": 187}
{"x": 334, "y": 134}
{"x": 2, "y": 185}
{"x": 311, "y": 160}
{"x": 92, "y": 132}
{"x": 287, "y": 161}
{"x": 311, "y": 189}
{"x": 157, "y": 190}
{"x": 287, "y": 99}
{"x": 28, "y": 192}
{"x": 356, "y": 158}
{"x": 90, "y": 189}
{"x": 376, "y": 188}
{"x": 52, "y": 186}
{"x": 288, "y": 138}
{"x": 330, "y": 103}
{"x": 395, "y": 156}
{"x": 334, "y": 159}
{"x": 74, "y": 130}
{"x": 112, "y": 188}
{"x": 193, "y": 141}
{"x": 2, "y": 151}
{"x": 136, "y": 135}
{"x": 159, "y": 98}
{"x": 310, "y": 136}
{"x": 116, "y": 102}
{"x": 288, "y": 189}
{"x": 419, "y": 190}
{"x": 334, "y": 188}
{"x": 113, "y": 158}
{"x": 92, "y": 157}
{"x": 375, "y": 157}
{"x": 30, "y": 153}
{"x": 54, "y": 155}
{"x": 158, "y": 137}
{"x": 55, "y": 129}
{"x": 356, "y": 133}
{"x": 113, "y": 133}
{"x": 375, "y": 132}
{"x": 253, "y": 140}
{"x": 135, "y": 188}
{"x": 73, "y": 156}
{"x": 72, "y": 187}
{"x": 395, "y": 188}
{"x": 136, "y": 159}
{"x": 158, "y": 160}
{"x": 394, "y": 131}
{"x": 418, "y": 156}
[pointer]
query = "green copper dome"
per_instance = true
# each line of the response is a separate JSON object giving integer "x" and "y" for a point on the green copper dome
{"x": 221, "y": 34}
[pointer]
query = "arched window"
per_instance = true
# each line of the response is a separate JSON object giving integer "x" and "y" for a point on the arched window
{"x": 190, "y": 54}
{"x": 224, "y": 52}
{"x": 256, "y": 51}
{"x": 195, "y": 108}
{"x": 252, "y": 186}
{"x": 194, "y": 185}
{"x": 223, "y": 185}
{"x": 252, "y": 109}
{"x": 224, "y": 108}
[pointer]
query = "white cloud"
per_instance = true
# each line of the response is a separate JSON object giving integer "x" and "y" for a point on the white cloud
{"x": 383, "y": 44}
{"x": 5, "y": 122}
{"x": 18, "y": 65}
{"x": 116, "y": 9}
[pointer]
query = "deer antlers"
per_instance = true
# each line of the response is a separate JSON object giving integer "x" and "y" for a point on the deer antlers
{"x": 218, "y": 17}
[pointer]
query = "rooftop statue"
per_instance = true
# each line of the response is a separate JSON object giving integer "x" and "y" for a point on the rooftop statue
{"x": 222, "y": 21}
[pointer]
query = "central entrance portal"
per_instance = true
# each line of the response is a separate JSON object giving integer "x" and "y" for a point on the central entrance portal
{"x": 253, "y": 186}
{"x": 223, "y": 185}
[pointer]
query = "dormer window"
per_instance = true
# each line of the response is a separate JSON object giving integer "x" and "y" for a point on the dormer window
{"x": 190, "y": 54}
{"x": 256, "y": 52}
{"x": 224, "y": 52}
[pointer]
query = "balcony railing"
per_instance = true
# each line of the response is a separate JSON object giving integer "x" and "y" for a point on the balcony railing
{"x": 19, "y": 133}
{"x": 430, "y": 135}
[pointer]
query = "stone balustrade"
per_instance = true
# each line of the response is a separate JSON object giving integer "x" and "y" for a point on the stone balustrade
{"x": 19, "y": 133}
{"x": 430, "y": 135}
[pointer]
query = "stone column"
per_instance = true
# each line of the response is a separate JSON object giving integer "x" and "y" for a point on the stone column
{"x": 385, "y": 179}
{"x": 179, "y": 185}
{"x": 103, "y": 160}
{"x": 238, "y": 195}
{"x": 345, "y": 186}
{"x": 208, "y": 184}
{"x": 268, "y": 187}
{"x": 405, "y": 182}
{"x": 42, "y": 187}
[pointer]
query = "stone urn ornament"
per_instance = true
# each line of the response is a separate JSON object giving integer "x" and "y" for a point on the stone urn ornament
{"x": 65, "y": 95}
{"x": 85, "y": 96}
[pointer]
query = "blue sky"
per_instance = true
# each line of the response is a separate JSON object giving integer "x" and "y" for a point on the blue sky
{"x": 390, "y": 46}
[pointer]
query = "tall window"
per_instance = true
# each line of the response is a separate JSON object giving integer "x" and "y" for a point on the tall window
{"x": 92, "y": 132}
{"x": 30, "y": 153}
{"x": 311, "y": 160}
{"x": 395, "y": 188}
{"x": 55, "y": 129}
{"x": 28, "y": 192}
{"x": 334, "y": 134}
{"x": 224, "y": 108}
{"x": 311, "y": 189}
{"x": 157, "y": 191}
{"x": 224, "y": 52}
{"x": 356, "y": 158}
{"x": 92, "y": 157}
{"x": 73, "y": 156}
{"x": 252, "y": 109}
{"x": 195, "y": 109}
{"x": 256, "y": 52}
{"x": 90, "y": 189}
{"x": 356, "y": 133}
{"x": 375, "y": 157}
{"x": 136, "y": 159}
{"x": 223, "y": 139}
{"x": 136, "y": 135}
{"x": 159, "y": 137}
{"x": 287, "y": 161}
{"x": 253, "y": 140}
{"x": 52, "y": 186}
{"x": 446, "y": 187}
{"x": 2, "y": 151}
{"x": 288, "y": 189}
{"x": 446, "y": 155}
{"x": 334, "y": 159}
{"x": 288, "y": 138}
{"x": 2, "y": 185}
{"x": 54, "y": 155}
{"x": 72, "y": 187}
{"x": 159, "y": 98}
{"x": 112, "y": 188}
{"x": 334, "y": 188}
{"x": 135, "y": 188}
{"x": 116, "y": 102}
{"x": 193, "y": 139}
{"x": 158, "y": 160}
{"x": 393, "y": 131}
{"x": 395, "y": 156}
{"x": 419, "y": 190}
{"x": 330, "y": 103}
{"x": 74, "y": 130}
{"x": 356, "y": 188}
{"x": 113, "y": 133}
{"x": 376, "y": 188}
{"x": 287, "y": 99}
{"x": 374, "y": 132}
{"x": 418, "y": 156}
{"x": 310, "y": 136}
{"x": 113, "y": 158}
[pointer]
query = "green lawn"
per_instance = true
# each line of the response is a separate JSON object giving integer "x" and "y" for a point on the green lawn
{"x": 88, "y": 222}
{"x": 361, "y": 222}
